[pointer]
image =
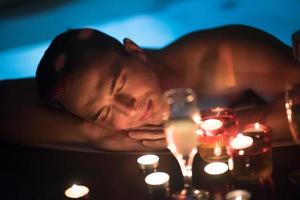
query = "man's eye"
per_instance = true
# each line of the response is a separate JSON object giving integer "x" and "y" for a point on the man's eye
{"x": 104, "y": 114}
{"x": 96, "y": 116}
{"x": 121, "y": 84}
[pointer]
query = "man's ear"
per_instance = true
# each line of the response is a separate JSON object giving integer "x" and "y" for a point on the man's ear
{"x": 134, "y": 49}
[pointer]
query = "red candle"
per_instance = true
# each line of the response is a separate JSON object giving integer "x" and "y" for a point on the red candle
{"x": 217, "y": 126}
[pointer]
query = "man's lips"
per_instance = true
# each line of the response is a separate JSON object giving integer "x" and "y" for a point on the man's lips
{"x": 147, "y": 112}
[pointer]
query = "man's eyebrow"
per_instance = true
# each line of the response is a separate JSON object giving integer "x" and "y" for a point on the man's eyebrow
{"x": 116, "y": 72}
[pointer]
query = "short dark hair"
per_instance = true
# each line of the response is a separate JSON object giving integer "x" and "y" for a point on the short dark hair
{"x": 77, "y": 50}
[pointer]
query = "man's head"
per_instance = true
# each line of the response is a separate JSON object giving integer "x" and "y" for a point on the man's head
{"x": 95, "y": 77}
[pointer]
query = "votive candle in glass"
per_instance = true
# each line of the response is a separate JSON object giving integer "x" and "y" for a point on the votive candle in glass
{"x": 251, "y": 153}
{"x": 217, "y": 126}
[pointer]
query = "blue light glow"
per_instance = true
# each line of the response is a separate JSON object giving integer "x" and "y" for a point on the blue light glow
{"x": 153, "y": 24}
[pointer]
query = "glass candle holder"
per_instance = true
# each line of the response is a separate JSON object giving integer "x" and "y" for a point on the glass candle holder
{"x": 251, "y": 153}
{"x": 217, "y": 126}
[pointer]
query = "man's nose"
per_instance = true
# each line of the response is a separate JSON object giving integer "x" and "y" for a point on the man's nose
{"x": 125, "y": 104}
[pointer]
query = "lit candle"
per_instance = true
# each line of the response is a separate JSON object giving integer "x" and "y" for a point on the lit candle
{"x": 76, "y": 191}
{"x": 197, "y": 118}
{"x": 211, "y": 124}
{"x": 238, "y": 195}
{"x": 148, "y": 162}
{"x": 256, "y": 127}
{"x": 218, "y": 150}
{"x": 216, "y": 168}
{"x": 157, "y": 180}
{"x": 241, "y": 142}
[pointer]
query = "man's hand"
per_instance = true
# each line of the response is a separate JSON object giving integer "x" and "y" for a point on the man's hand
{"x": 149, "y": 136}
{"x": 131, "y": 140}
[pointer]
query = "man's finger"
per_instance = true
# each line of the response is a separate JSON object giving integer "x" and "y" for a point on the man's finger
{"x": 150, "y": 135}
{"x": 155, "y": 144}
{"x": 121, "y": 142}
{"x": 148, "y": 128}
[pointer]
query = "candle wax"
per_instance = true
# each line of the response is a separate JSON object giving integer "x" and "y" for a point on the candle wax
{"x": 216, "y": 168}
{"x": 157, "y": 178}
{"x": 76, "y": 191}
{"x": 212, "y": 124}
{"x": 241, "y": 142}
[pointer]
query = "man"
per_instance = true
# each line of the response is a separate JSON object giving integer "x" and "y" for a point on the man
{"x": 107, "y": 92}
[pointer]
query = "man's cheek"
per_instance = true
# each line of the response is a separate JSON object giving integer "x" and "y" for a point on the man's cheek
{"x": 120, "y": 123}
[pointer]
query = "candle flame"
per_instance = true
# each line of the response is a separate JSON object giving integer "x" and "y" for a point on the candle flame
{"x": 241, "y": 152}
{"x": 257, "y": 125}
{"x": 196, "y": 118}
{"x": 218, "y": 150}
{"x": 238, "y": 198}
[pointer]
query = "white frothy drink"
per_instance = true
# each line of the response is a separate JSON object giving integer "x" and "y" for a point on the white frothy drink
{"x": 181, "y": 136}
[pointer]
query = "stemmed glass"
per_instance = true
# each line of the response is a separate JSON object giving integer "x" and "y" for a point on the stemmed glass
{"x": 180, "y": 126}
{"x": 292, "y": 105}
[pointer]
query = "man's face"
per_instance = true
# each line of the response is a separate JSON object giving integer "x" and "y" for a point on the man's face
{"x": 116, "y": 91}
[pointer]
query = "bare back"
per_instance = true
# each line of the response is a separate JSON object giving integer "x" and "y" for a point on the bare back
{"x": 224, "y": 62}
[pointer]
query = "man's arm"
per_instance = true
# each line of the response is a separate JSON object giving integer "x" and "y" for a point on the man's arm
{"x": 27, "y": 120}
{"x": 273, "y": 115}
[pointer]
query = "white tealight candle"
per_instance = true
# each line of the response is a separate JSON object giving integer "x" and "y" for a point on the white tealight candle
{"x": 76, "y": 191}
{"x": 211, "y": 124}
{"x": 148, "y": 162}
{"x": 216, "y": 168}
{"x": 241, "y": 142}
{"x": 157, "y": 179}
{"x": 238, "y": 195}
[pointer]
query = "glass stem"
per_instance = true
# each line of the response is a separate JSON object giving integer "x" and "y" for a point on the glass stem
{"x": 187, "y": 176}
{"x": 185, "y": 163}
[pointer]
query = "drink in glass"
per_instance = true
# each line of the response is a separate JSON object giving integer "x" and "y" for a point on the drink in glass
{"x": 292, "y": 105}
{"x": 181, "y": 132}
